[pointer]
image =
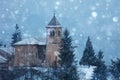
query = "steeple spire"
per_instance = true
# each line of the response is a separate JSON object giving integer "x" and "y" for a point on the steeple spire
{"x": 54, "y": 12}
{"x": 54, "y": 21}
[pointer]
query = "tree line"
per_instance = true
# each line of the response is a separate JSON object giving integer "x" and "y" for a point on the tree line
{"x": 68, "y": 62}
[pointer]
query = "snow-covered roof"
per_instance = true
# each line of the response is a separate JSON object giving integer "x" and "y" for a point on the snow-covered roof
{"x": 8, "y": 50}
{"x": 31, "y": 41}
{"x": 2, "y": 59}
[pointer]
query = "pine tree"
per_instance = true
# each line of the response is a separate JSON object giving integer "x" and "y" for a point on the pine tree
{"x": 100, "y": 72}
{"x": 115, "y": 69}
{"x": 88, "y": 57}
{"x": 17, "y": 35}
{"x": 67, "y": 56}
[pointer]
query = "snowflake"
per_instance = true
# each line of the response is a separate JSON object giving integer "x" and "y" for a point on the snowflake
{"x": 22, "y": 27}
{"x": 71, "y": 0}
{"x": 3, "y": 16}
{"x": 23, "y": 19}
{"x": 44, "y": 4}
{"x": 94, "y": 14}
{"x": 26, "y": 35}
{"x": 60, "y": 15}
{"x": 57, "y": 3}
{"x": 90, "y": 20}
{"x": 81, "y": 35}
{"x": 97, "y": 4}
{"x": 44, "y": 35}
{"x": 109, "y": 33}
{"x": 75, "y": 7}
{"x": 98, "y": 38}
{"x": 7, "y": 9}
{"x": 3, "y": 32}
{"x": 115, "y": 19}
{"x": 76, "y": 41}
{"x": 108, "y": 38}
{"x": 56, "y": 7}
{"x": 21, "y": 5}
{"x": 73, "y": 29}
{"x": 108, "y": 0}
{"x": 104, "y": 16}
{"x": 16, "y": 11}
{"x": 72, "y": 33}
{"x": 93, "y": 8}
{"x": 80, "y": 1}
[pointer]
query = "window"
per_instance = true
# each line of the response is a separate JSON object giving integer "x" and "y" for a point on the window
{"x": 52, "y": 33}
{"x": 59, "y": 33}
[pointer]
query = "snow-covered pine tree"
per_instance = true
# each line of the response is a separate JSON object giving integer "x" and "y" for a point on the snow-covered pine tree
{"x": 100, "y": 72}
{"x": 67, "y": 56}
{"x": 16, "y": 36}
{"x": 115, "y": 69}
{"x": 88, "y": 57}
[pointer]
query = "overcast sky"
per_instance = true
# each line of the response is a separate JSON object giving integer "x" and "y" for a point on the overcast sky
{"x": 99, "y": 19}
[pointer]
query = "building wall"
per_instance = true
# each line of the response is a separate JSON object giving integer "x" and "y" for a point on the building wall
{"x": 41, "y": 54}
{"x": 26, "y": 55}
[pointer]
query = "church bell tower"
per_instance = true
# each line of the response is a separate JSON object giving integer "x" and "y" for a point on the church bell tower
{"x": 53, "y": 40}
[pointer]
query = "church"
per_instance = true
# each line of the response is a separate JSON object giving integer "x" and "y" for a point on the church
{"x": 38, "y": 52}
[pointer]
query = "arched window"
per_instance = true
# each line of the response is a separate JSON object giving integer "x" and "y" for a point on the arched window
{"x": 52, "y": 33}
{"x": 59, "y": 33}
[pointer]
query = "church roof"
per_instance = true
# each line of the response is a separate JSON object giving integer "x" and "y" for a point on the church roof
{"x": 54, "y": 22}
{"x": 8, "y": 50}
{"x": 30, "y": 41}
{"x": 2, "y": 59}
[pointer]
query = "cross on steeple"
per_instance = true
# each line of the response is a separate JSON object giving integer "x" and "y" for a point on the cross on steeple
{"x": 54, "y": 12}
{"x": 54, "y": 21}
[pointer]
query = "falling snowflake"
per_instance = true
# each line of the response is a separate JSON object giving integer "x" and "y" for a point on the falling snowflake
{"x": 7, "y": 9}
{"x": 98, "y": 38}
{"x": 76, "y": 41}
{"x": 71, "y": 0}
{"x": 3, "y": 15}
{"x": 44, "y": 35}
{"x": 60, "y": 15}
{"x": 17, "y": 11}
{"x": 93, "y": 8}
{"x": 73, "y": 29}
{"x": 115, "y": 19}
{"x": 97, "y": 4}
{"x": 75, "y": 7}
{"x": 3, "y": 32}
{"x": 94, "y": 14}
{"x": 72, "y": 33}
{"x": 57, "y": 3}
{"x": 108, "y": 38}
{"x": 81, "y": 35}
{"x": 109, "y": 33}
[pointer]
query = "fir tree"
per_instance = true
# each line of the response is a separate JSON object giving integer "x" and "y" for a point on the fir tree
{"x": 100, "y": 72}
{"x": 67, "y": 56}
{"x": 17, "y": 35}
{"x": 88, "y": 57}
{"x": 115, "y": 69}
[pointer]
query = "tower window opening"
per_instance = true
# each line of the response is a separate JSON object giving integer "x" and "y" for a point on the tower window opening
{"x": 52, "y": 33}
{"x": 59, "y": 33}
